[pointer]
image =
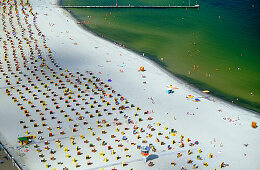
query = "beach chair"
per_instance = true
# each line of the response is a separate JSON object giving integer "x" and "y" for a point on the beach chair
{"x": 254, "y": 125}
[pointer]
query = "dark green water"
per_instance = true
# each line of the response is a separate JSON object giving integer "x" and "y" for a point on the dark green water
{"x": 221, "y": 41}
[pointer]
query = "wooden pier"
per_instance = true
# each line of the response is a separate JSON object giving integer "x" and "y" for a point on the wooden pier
{"x": 130, "y": 6}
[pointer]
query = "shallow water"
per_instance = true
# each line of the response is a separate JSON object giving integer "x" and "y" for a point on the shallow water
{"x": 214, "y": 48}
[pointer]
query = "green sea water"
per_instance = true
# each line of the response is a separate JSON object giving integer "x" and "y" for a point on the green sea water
{"x": 215, "y": 47}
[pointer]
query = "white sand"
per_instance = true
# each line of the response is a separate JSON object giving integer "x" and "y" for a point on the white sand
{"x": 91, "y": 54}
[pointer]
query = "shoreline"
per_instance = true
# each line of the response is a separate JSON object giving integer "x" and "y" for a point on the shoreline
{"x": 214, "y": 93}
{"x": 80, "y": 52}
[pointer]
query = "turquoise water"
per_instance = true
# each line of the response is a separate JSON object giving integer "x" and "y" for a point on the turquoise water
{"x": 214, "y": 48}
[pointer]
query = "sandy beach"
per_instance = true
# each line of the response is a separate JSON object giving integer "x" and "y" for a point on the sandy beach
{"x": 91, "y": 107}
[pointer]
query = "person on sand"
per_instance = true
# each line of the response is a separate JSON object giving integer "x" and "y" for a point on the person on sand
{"x": 150, "y": 164}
